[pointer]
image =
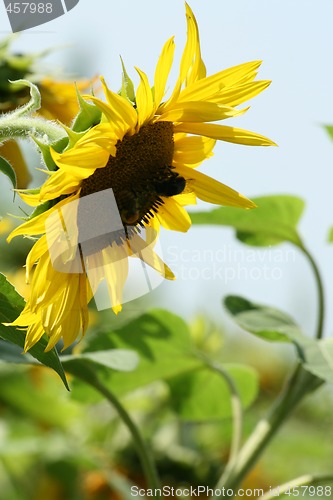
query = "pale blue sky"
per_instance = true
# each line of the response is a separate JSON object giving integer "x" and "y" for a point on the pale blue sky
{"x": 294, "y": 40}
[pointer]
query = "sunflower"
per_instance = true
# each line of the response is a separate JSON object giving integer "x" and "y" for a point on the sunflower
{"x": 141, "y": 158}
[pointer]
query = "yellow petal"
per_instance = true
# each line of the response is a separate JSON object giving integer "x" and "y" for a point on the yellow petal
{"x": 36, "y": 225}
{"x": 119, "y": 112}
{"x": 115, "y": 264}
{"x": 88, "y": 158}
{"x": 212, "y": 191}
{"x": 190, "y": 67}
{"x": 172, "y": 216}
{"x": 192, "y": 150}
{"x": 71, "y": 328}
{"x": 84, "y": 298}
{"x": 121, "y": 106}
{"x": 60, "y": 183}
{"x": 139, "y": 248}
{"x": 206, "y": 88}
{"x": 162, "y": 70}
{"x": 196, "y": 111}
{"x": 26, "y": 318}
{"x": 39, "y": 248}
{"x": 30, "y": 199}
{"x": 237, "y": 95}
{"x": 34, "y": 334}
{"x": 102, "y": 135}
{"x": 197, "y": 70}
{"x": 224, "y": 133}
{"x": 144, "y": 99}
{"x": 186, "y": 199}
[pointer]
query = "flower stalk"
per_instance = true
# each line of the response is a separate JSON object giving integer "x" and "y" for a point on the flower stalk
{"x": 20, "y": 124}
{"x": 88, "y": 376}
{"x": 299, "y": 384}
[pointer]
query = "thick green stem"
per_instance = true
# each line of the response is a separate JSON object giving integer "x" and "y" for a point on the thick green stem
{"x": 147, "y": 462}
{"x": 300, "y": 384}
{"x": 24, "y": 127}
{"x": 237, "y": 419}
{"x": 320, "y": 290}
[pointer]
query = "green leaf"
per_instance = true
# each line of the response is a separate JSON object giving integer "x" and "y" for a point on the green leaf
{"x": 89, "y": 115}
{"x": 11, "y": 353}
{"x": 11, "y": 305}
{"x": 330, "y": 235}
{"x": 45, "y": 152}
{"x": 274, "y": 220}
{"x": 318, "y": 358}
{"x": 127, "y": 87}
{"x": 329, "y": 130}
{"x": 204, "y": 394}
{"x": 117, "y": 359}
{"x": 7, "y": 169}
{"x": 264, "y": 321}
{"x": 271, "y": 324}
{"x": 43, "y": 399}
{"x": 163, "y": 344}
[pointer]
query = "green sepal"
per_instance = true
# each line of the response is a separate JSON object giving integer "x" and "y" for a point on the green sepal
{"x": 72, "y": 136}
{"x": 45, "y": 151}
{"x": 58, "y": 146}
{"x": 7, "y": 169}
{"x": 40, "y": 209}
{"x": 127, "y": 86}
{"x": 35, "y": 98}
{"x": 88, "y": 116}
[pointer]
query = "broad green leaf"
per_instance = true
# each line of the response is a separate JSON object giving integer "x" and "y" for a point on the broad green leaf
{"x": 37, "y": 395}
{"x": 271, "y": 324}
{"x": 163, "y": 344}
{"x": 329, "y": 129}
{"x": 117, "y": 359}
{"x": 318, "y": 357}
{"x": 204, "y": 394}
{"x": 274, "y": 220}
{"x": 7, "y": 169}
{"x": 264, "y": 321}
{"x": 11, "y": 353}
{"x": 11, "y": 305}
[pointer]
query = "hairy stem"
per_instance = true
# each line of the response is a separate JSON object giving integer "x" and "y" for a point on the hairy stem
{"x": 24, "y": 127}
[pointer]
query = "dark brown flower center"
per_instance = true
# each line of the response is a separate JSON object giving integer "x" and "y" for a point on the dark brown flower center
{"x": 140, "y": 175}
